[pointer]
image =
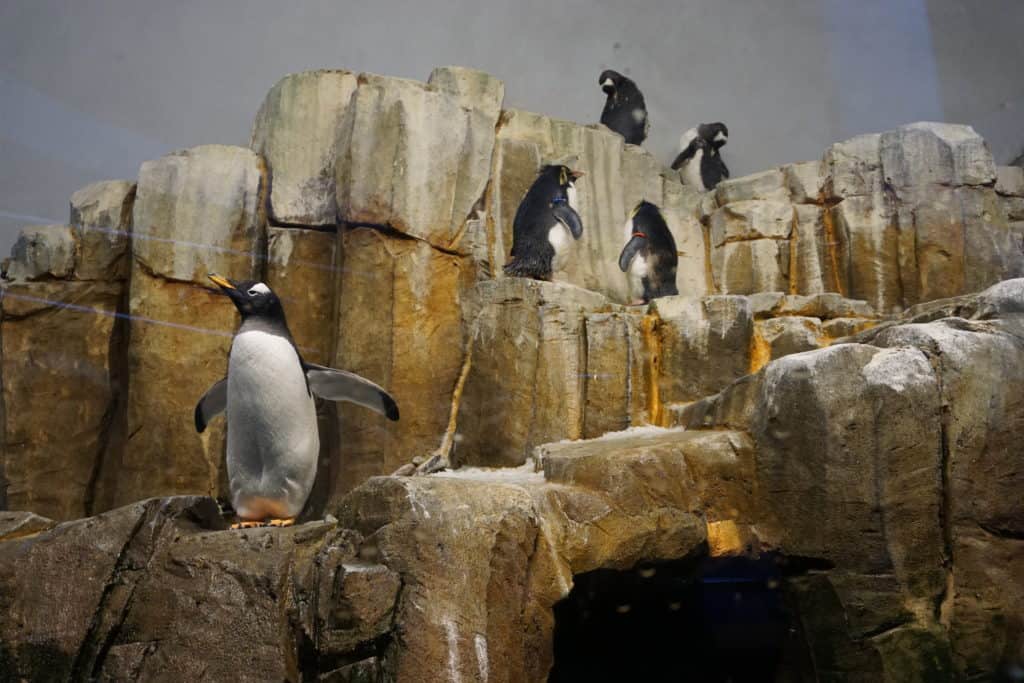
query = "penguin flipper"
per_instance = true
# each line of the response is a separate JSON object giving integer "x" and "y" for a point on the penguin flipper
{"x": 338, "y": 385}
{"x": 567, "y": 216}
{"x": 684, "y": 156}
{"x": 213, "y": 402}
{"x": 629, "y": 252}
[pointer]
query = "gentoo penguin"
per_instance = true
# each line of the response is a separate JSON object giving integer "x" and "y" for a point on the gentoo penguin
{"x": 700, "y": 162}
{"x": 273, "y": 443}
{"x": 649, "y": 258}
{"x": 546, "y": 222}
{"x": 624, "y": 110}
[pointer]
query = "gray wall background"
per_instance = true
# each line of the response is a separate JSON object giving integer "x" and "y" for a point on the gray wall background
{"x": 89, "y": 89}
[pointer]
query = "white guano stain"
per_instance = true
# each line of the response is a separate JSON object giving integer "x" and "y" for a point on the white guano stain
{"x": 453, "y": 651}
{"x": 480, "y": 644}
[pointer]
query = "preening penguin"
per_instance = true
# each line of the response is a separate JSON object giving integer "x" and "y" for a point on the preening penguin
{"x": 624, "y": 110}
{"x": 649, "y": 258}
{"x": 545, "y": 225}
{"x": 273, "y": 443}
{"x": 700, "y": 162}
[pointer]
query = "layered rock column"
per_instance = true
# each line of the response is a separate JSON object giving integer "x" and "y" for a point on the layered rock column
{"x": 62, "y": 350}
{"x": 412, "y": 168}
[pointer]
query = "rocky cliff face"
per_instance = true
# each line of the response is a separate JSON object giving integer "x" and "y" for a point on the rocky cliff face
{"x": 826, "y": 390}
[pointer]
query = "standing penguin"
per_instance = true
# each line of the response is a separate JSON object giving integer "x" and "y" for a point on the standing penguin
{"x": 624, "y": 110}
{"x": 649, "y": 258}
{"x": 700, "y": 162}
{"x": 273, "y": 442}
{"x": 546, "y": 222}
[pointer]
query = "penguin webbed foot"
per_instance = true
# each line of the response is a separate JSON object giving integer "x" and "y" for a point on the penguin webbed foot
{"x": 259, "y": 524}
{"x": 435, "y": 463}
{"x": 248, "y": 524}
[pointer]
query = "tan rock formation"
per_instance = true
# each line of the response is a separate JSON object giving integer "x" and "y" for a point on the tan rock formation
{"x": 296, "y": 131}
{"x": 400, "y": 325}
{"x": 526, "y": 378}
{"x": 101, "y": 216}
{"x": 413, "y": 157}
{"x": 199, "y": 211}
{"x": 58, "y": 343}
{"x": 303, "y": 270}
{"x": 43, "y": 252}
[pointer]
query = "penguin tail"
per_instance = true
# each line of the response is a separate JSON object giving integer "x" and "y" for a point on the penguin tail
{"x": 521, "y": 268}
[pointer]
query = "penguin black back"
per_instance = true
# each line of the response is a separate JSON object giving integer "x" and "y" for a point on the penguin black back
{"x": 624, "y": 111}
{"x": 650, "y": 254}
{"x": 547, "y": 205}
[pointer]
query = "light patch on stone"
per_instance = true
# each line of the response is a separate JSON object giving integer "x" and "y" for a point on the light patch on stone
{"x": 281, "y": 250}
{"x": 480, "y": 644}
{"x": 453, "y": 651}
{"x": 416, "y": 504}
{"x": 896, "y": 368}
{"x": 724, "y": 538}
{"x": 646, "y": 430}
{"x": 524, "y": 474}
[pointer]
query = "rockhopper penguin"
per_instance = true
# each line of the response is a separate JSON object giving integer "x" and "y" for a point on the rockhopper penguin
{"x": 273, "y": 443}
{"x": 649, "y": 258}
{"x": 545, "y": 225}
{"x": 700, "y": 162}
{"x": 624, "y": 110}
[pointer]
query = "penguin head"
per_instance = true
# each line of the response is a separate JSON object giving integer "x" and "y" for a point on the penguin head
{"x": 561, "y": 175}
{"x": 609, "y": 81}
{"x": 715, "y": 133}
{"x": 251, "y": 298}
{"x": 640, "y": 214}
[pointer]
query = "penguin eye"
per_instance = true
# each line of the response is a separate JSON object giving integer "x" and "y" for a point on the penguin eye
{"x": 252, "y": 292}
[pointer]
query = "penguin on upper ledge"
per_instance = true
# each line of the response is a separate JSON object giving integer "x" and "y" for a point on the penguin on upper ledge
{"x": 700, "y": 162}
{"x": 624, "y": 111}
{"x": 546, "y": 224}
{"x": 649, "y": 258}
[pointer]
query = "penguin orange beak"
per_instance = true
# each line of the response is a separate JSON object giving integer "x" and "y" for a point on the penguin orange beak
{"x": 221, "y": 282}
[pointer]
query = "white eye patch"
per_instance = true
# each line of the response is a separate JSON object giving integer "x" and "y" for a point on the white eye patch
{"x": 258, "y": 288}
{"x": 720, "y": 136}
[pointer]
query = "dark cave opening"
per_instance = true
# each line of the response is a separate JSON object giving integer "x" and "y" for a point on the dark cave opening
{"x": 711, "y": 619}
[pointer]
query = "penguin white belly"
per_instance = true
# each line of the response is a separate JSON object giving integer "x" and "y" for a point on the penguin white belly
{"x": 637, "y": 272}
{"x": 691, "y": 171}
{"x": 273, "y": 443}
{"x": 561, "y": 239}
